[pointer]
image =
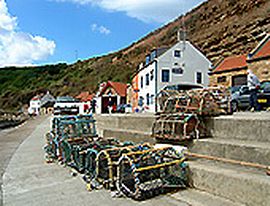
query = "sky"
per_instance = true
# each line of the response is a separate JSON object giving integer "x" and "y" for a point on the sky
{"x": 37, "y": 32}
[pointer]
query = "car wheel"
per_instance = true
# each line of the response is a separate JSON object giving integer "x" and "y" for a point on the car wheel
{"x": 234, "y": 106}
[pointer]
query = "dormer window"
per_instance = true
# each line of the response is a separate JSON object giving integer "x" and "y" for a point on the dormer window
{"x": 177, "y": 53}
{"x": 147, "y": 60}
{"x": 153, "y": 54}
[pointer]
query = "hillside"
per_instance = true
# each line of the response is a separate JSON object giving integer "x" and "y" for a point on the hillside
{"x": 218, "y": 28}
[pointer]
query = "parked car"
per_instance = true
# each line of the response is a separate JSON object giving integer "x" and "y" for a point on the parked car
{"x": 234, "y": 89}
{"x": 240, "y": 99}
{"x": 124, "y": 108}
{"x": 179, "y": 87}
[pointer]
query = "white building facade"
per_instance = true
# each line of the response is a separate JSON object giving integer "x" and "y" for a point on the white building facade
{"x": 34, "y": 105}
{"x": 181, "y": 64}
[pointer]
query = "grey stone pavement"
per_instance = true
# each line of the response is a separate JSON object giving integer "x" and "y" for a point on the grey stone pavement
{"x": 28, "y": 180}
{"x": 10, "y": 139}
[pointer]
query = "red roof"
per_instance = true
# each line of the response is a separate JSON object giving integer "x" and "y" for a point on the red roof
{"x": 37, "y": 97}
{"x": 263, "y": 49}
{"x": 82, "y": 95}
{"x": 231, "y": 63}
{"x": 120, "y": 88}
{"x": 85, "y": 96}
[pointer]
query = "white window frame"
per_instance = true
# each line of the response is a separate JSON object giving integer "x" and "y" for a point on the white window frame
{"x": 179, "y": 52}
{"x": 195, "y": 80}
{"x": 170, "y": 75}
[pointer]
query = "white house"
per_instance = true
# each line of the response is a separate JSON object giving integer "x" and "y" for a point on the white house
{"x": 182, "y": 64}
{"x": 110, "y": 94}
{"x": 34, "y": 105}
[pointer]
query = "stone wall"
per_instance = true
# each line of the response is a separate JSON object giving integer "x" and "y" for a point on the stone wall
{"x": 261, "y": 69}
{"x": 228, "y": 75}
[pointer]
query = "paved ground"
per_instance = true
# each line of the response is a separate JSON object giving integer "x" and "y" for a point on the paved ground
{"x": 29, "y": 181}
{"x": 10, "y": 139}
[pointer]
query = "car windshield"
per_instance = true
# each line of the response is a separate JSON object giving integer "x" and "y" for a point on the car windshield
{"x": 265, "y": 86}
{"x": 179, "y": 87}
{"x": 235, "y": 89}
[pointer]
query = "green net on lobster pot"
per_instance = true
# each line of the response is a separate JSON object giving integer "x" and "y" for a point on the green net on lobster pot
{"x": 145, "y": 174}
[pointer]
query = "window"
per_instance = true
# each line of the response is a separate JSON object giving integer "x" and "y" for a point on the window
{"x": 140, "y": 102}
{"x": 147, "y": 79}
{"x": 153, "y": 54}
{"x": 152, "y": 75}
{"x": 147, "y": 60}
{"x": 165, "y": 75}
{"x": 177, "y": 53}
{"x": 239, "y": 80}
{"x": 221, "y": 79}
{"x": 141, "y": 82}
{"x": 177, "y": 70}
{"x": 147, "y": 99}
{"x": 152, "y": 99}
{"x": 198, "y": 77}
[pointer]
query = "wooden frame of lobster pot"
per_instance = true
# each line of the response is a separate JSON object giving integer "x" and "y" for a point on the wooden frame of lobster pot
{"x": 107, "y": 163}
{"x": 145, "y": 174}
{"x": 178, "y": 126}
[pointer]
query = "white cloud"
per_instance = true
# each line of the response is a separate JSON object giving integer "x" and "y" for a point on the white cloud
{"x": 19, "y": 48}
{"x": 145, "y": 10}
{"x": 101, "y": 29}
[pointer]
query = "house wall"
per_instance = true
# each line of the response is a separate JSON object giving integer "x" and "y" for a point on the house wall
{"x": 191, "y": 61}
{"x": 35, "y": 106}
{"x": 135, "y": 92}
{"x": 129, "y": 94}
{"x": 228, "y": 75}
{"x": 261, "y": 69}
{"x": 147, "y": 89}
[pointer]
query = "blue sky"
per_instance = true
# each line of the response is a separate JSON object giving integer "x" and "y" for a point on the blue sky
{"x": 51, "y": 31}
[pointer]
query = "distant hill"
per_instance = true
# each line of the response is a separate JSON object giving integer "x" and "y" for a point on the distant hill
{"x": 219, "y": 28}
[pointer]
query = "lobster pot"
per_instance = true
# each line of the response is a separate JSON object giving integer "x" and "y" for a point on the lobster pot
{"x": 68, "y": 146}
{"x": 176, "y": 127}
{"x": 142, "y": 175}
{"x": 213, "y": 101}
{"x": 92, "y": 152}
{"x": 107, "y": 162}
{"x": 78, "y": 153}
{"x": 50, "y": 147}
{"x": 72, "y": 127}
{"x": 56, "y": 122}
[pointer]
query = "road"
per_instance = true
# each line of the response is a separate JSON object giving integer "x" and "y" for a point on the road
{"x": 28, "y": 180}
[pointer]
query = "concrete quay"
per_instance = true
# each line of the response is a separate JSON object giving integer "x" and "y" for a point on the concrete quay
{"x": 29, "y": 181}
{"x": 127, "y": 127}
{"x": 242, "y": 136}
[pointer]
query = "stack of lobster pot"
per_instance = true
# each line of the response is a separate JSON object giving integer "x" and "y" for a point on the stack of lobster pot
{"x": 183, "y": 113}
{"x": 144, "y": 174}
{"x": 138, "y": 171}
{"x": 107, "y": 163}
{"x": 67, "y": 131}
